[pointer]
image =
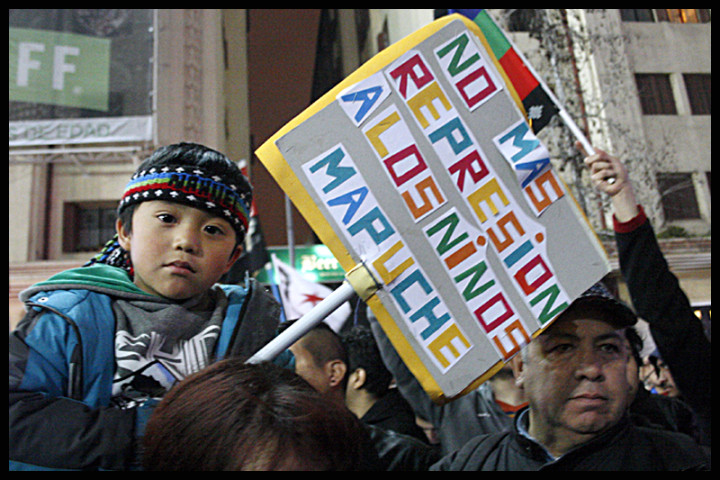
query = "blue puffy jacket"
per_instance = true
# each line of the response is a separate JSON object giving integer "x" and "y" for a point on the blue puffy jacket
{"x": 62, "y": 363}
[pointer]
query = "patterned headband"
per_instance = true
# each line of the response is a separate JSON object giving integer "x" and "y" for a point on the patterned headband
{"x": 189, "y": 185}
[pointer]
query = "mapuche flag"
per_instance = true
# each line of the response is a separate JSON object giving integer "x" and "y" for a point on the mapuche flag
{"x": 538, "y": 101}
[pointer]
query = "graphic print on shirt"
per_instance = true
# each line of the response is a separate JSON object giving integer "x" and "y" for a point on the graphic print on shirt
{"x": 146, "y": 369}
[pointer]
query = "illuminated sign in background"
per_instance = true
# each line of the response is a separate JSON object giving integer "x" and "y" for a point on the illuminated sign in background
{"x": 59, "y": 68}
{"x": 313, "y": 262}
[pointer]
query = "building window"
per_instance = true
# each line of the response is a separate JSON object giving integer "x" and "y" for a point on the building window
{"x": 656, "y": 97}
{"x": 707, "y": 177}
{"x": 637, "y": 15}
{"x": 88, "y": 225}
{"x": 683, "y": 15}
{"x": 698, "y": 90}
{"x": 678, "y": 196}
{"x": 675, "y": 15}
{"x": 522, "y": 20}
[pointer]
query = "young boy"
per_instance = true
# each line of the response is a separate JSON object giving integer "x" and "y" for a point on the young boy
{"x": 101, "y": 344}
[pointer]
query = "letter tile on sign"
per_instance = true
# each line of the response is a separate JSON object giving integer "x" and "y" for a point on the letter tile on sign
{"x": 531, "y": 162}
{"x": 411, "y": 75}
{"x": 359, "y": 101}
{"x": 399, "y": 154}
{"x": 467, "y": 70}
{"x": 335, "y": 178}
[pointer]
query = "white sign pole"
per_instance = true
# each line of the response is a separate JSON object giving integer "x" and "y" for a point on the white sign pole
{"x": 280, "y": 343}
{"x": 358, "y": 280}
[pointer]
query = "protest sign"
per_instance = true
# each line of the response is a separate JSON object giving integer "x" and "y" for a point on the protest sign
{"x": 421, "y": 167}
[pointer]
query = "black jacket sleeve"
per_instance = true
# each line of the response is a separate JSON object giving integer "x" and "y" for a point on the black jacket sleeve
{"x": 657, "y": 297}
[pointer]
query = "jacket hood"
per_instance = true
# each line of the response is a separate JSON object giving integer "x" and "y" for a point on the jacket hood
{"x": 99, "y": 277}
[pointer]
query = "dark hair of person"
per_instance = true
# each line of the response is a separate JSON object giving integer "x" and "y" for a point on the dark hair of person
{"x": 323, "y": 344}
{"x": 363, "y": 353}
{"x": 636, "y": 344}
{"x": 238, "y": 416}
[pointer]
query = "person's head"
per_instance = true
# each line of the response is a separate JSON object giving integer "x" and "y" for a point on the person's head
{"x": 366, "y": 370}
{"x": 431, "y": 432}
{"x": 182, "y": 221}
{"x": 238, "y": 416}
{"x": 321, "y": 359}
{"x": 656, "y": 376}
{"x": 575, "y": 374}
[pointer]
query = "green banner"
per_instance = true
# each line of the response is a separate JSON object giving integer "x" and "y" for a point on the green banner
{"x": 59, "y": 68}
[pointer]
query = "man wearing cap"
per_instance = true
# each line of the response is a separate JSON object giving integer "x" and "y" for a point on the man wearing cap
{"x": 576, "y": 378}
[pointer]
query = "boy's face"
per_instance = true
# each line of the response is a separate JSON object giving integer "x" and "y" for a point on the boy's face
{"x": 177, "y": 251}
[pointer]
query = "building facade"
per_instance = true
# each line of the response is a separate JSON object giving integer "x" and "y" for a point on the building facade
{"x": 638, "y": 81}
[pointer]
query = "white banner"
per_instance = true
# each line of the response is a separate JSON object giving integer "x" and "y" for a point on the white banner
{"x": 299, "y": 295}
{"x": 80, "y": 131}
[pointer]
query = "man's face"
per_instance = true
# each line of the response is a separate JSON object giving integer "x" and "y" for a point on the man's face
{"x": 575, "y": 378}
{"x": 658, "y": 378}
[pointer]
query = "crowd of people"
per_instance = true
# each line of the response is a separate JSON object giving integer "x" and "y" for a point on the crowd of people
{"x": 138, "y": 360}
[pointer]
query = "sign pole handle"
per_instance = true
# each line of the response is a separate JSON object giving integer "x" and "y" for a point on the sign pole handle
{"x": 280, "y": 343}
{"x": 358, "y": 279}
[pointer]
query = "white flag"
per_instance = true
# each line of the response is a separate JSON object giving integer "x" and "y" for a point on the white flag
{"x": 299, "y": 295}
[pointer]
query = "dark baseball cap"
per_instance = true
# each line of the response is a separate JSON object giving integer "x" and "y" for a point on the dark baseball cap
{"x": 598, "y": 302}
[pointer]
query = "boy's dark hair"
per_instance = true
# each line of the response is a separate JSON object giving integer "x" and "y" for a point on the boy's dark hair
{"x": 363, "y": 353}
{"x": 206, "y": 177}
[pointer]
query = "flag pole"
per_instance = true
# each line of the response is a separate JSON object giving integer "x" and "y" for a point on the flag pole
{"x": 564, "y": 115}
{"x": 358, "y": 280}
{"x": 293, "y": 333}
